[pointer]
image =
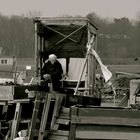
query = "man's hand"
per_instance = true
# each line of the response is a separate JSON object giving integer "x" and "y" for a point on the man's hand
{"x": 47, "y": 76}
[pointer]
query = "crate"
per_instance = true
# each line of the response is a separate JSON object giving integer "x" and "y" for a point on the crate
{"x": 6, "y": 93}
{"x": 11, "y": 92}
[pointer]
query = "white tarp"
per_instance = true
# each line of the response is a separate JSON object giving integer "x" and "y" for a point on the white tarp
{"x": 106, "y": 73}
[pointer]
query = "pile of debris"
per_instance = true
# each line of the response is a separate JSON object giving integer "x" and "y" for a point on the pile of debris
{"x": 123, "y": 79}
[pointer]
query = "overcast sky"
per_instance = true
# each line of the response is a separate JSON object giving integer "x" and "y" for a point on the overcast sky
{"x": 51, "y": 8}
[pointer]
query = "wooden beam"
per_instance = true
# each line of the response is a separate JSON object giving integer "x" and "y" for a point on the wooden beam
{"x": 61, "y": 20}
{"x": 45, "y": 115}
{"x": 106, "y": 135}
{"x": 98, "y": 120}
{"x": 34, "y": 116}
{"x": 36, "y": 48}
{"x": 73, "y": 126}
{"x": 15, "y": 122}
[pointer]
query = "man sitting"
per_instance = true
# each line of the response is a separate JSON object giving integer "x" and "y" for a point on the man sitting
{"x": 52, "y": 72}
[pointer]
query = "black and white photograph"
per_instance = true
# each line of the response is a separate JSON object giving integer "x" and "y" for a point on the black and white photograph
{"x": 69, "y": 70}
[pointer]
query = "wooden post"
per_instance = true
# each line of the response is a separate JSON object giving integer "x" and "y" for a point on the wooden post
{"x": 91, "y": 64}
{"x": 36, "y": 48}
{"x": 16, "y": 120}
{"x": 74, "y": 111}
{"x": 94, "y": 66}
{"x": 39, "y": 57}
{"x": 44, "y": 116}
{"x": 88, "y": 66}
{"x": 34, "y": 117}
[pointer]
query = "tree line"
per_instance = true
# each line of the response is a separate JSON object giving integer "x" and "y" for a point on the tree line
{"x": 118, "y": 38}
{"x": 17, "y": 36}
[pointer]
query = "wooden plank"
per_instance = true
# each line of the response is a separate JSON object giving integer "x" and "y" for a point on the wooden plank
{"x": 62, "y": 121}
{"x": 73, "y": 126}
{"x": 25, "y": 121}
{"x": 62, "y": 21}
{"x": 55, "y": 126}
{"x": 16, "y": 120}
{"x": 90, "y": 63}
{"x": 57, "y": 138}
{"x": 36, "y": 49}
{"x": 106, "y": 135}
{"x": 59, "y": 133}
{"x": 3, "y": 103}
{"x": 64, "y": 116}
{"x": 19, "y": 101}
{"x": 105, "y": 120}
{"x": 65, "y": 21}
{"x": 44, "y": 116}
{"x": 34, "y": 117}
{"x": 108, "y": 112}
{"x": 107, "y": 128}
{"x": 65, "y": 110}
{"x": 7, "y": 135}
{"x": 57, "y": 106}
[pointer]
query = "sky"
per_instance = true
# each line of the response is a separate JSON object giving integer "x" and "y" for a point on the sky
{"x": 53, "y": 8}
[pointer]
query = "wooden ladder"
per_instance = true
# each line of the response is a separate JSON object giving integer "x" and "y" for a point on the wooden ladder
{"x": 58, "y": 98}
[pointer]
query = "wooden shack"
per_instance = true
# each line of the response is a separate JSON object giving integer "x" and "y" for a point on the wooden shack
{"x": 67, "y": 38}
